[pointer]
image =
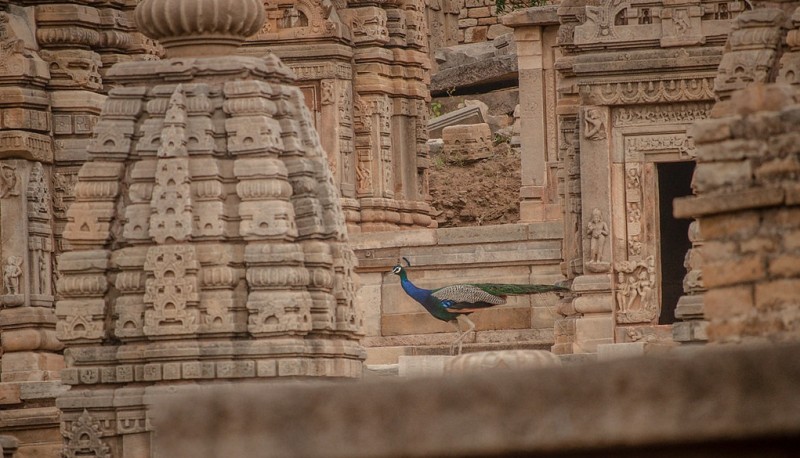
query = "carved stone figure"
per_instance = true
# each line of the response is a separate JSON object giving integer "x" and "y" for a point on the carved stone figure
{"x": 635, "y": 293}
{"x": 597, "y": 231}
{"x": 11, "y": 273}
{"x": 595, "y": 128}
{"x": 8, "y": 181}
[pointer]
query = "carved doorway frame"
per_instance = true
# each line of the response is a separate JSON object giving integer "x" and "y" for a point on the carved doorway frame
{"x": 642, "y": 137}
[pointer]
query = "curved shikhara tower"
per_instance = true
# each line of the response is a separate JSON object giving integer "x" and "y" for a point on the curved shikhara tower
{"x": 206, "y": 242}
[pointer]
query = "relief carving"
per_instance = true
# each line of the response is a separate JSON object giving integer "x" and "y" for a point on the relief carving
{"x": 597, "y": 232}
{"x": 12, "y": 270}
{"x": 8, "y": 181}
{"x": 641, "y": 92}
{"x": 636, "y": 297}
{"x": 84, "y": 438}
{"x": 171, "y": 290}
{"x": 595, "y": 127}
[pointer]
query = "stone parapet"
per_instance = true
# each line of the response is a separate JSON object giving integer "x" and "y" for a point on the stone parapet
{"x": 742, "y": 403}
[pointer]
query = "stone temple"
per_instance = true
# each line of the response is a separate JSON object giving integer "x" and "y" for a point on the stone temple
{"x": 201, "y": 202}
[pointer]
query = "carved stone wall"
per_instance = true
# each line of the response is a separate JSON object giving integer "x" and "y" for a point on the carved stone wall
{"x": 206, "y": 241}
{"x": 363, "y": 69}
{"x": 633, "y": 76}
{"x": 52, "y": 60}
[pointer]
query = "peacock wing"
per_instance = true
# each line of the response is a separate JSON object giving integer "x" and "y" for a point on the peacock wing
{"x": 466, "y": 297}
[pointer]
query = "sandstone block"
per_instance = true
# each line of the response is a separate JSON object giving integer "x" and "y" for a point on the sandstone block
{"x": 479, "y": 12}
{"x": 747, "y": 269}
{"x": 757, "y": 245}
{"x": 497, "y": 30}
{"x": 727, "y": 201}
{"x": 762, "y": 97}
{"x": 785, "y": 265}
{"x": 791, "y": 240}
{"x": 26, "y": 362}
{"x": 782, "y": 218}
{"x": 724, "y": 302}
{"x": 467, "y": 142}
{"x": 739, "y": 226}
{"x": 710, "y": 131}
{"x": 709, "y": 177}
{"x": 731, "y": 150}
{"x": 778, "y": 294}
{"x": 475, "y": 34}
{"x": 30, "y": 339}
{"x": 9, "y": 393}
{"x": 469, "y": 22}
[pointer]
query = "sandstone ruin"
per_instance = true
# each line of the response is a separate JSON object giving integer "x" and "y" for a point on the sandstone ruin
{"x": 187, "y": 202}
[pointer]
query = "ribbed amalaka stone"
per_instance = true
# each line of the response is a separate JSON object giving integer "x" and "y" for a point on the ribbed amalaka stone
{"x": 200, "y": 27}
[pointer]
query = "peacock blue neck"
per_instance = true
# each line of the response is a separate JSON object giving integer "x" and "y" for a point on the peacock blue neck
{"x": 418, "y": 294}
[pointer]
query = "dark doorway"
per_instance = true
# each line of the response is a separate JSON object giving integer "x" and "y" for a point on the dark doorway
{"x": 674, "y": 180}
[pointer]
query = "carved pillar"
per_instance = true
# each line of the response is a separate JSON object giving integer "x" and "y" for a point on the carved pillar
{"x": 535, "y": 35}
{"x": 206, "y": 242}
{"x": 690, "y": 311}
{"x": 593, "y": 289}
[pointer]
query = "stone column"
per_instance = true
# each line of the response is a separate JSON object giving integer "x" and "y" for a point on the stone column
{"x": 534, "y": 33}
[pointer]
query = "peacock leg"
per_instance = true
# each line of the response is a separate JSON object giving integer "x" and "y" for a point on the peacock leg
{"x": 457, "y": 339}
{"x": 463, "y": 334}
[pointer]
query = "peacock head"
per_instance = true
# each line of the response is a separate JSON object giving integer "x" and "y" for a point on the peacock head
{"x": 398, "y": 269}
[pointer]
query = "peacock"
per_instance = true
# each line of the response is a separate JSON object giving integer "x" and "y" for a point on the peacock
{"x": 454, "y": 303}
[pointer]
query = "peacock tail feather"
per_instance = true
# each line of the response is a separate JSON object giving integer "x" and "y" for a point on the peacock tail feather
{"x": 497, "y": 289}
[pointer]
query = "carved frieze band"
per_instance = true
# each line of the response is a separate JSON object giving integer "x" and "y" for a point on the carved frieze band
{"x": 642, "y": 92}
{"x": 661, "y": 114}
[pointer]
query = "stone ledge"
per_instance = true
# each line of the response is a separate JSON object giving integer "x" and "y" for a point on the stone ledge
{"x": 710, "y": 402}
{"x": 695, "y": 206}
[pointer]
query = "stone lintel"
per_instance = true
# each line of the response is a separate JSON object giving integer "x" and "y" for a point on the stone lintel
{"x": 498, "y": 70}
{"x": 679, "y": 404}
{"x": 536, "y": 16}
{"x": 467, "y": 115}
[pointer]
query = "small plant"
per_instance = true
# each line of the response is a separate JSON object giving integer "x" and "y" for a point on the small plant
{"x": 505, "y": 6}
{"x": 437, "y": 161}
{"x": 436, "y": 109}
{"x": 500, "y": 138}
